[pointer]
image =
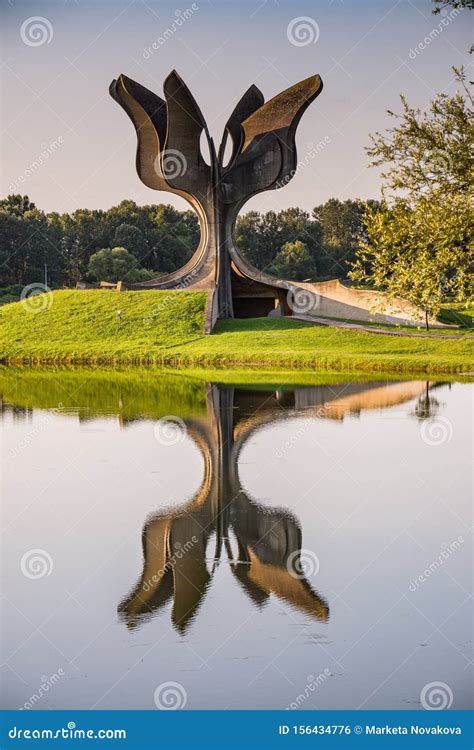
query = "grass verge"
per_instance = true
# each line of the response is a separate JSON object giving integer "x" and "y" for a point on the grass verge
{"x": 167, "y": 329}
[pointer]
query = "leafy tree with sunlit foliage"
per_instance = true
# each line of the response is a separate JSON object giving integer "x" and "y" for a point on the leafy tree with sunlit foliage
{"x": 417, "y": 246}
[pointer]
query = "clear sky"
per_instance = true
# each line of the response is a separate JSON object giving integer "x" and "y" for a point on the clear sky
{"x": 56, "y": 72}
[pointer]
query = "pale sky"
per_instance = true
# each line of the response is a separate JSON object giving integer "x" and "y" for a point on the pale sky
{"x": 56, "y": 72}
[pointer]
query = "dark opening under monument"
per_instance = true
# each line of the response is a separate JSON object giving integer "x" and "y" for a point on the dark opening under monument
{"x": 263, "y": 157}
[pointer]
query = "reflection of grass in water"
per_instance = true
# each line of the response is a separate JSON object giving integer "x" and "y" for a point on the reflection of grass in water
{"x": 273, "y": 378}
{"x": 130, "y": 393}
{"x": 151, "y": 392}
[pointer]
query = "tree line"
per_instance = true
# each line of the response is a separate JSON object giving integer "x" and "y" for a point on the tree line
{"x": 158, "y": 236}
{"x": 135, "y": 243}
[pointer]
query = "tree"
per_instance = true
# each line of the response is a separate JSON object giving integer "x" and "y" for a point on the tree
{"x": 117, "y": 265}
{"x": 256, "y": 237}
{"x": 427, "y": 152}
{"x": 111, "y": 264}
{"x": 17, "y": 205}
{"x": 84, "y": 233}
{"x": 418, "y": 251}
{"x": 25, "y": 244}
{"x": 294, "y": 262}
{"x": 173, "y": 238}
{"x": 12, "y": 238}
{"x": 417, "y": 246}
{"x": 132, "y": 238}
{"x": 260, "y": 237}
{"x": 452, "y": 4}
{"x": 342, "y": 224}
{"x": 56, "y": 252}
{"x": 159, "y": 236}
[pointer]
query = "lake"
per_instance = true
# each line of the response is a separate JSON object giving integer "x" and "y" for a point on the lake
{"x": 175, "y": 543}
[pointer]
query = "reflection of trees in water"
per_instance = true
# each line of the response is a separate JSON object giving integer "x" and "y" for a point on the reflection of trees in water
{"x": 19, "y": 413}
{"x": 427, "y": 406}
{"x": 261, "y": 545}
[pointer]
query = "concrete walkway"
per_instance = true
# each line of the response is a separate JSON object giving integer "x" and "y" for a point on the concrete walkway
{"x": 368, "y": 329}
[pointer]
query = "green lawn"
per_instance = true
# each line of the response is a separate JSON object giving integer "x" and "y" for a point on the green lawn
{"x": 167, "y": 328}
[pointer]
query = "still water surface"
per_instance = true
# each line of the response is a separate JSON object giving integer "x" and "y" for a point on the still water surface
{"x": 258, "y": 546}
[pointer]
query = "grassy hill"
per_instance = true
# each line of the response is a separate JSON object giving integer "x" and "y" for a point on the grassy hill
{"x": 167, "y": 328}
{"x": 81, "y": 325}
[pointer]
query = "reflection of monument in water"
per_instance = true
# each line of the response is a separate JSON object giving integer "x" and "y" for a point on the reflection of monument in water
{"x": 176, "y": 544}
{"x": 181, "y": 547}
{"x": 178, "y": 561}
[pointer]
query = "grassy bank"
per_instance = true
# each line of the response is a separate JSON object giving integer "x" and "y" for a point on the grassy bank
{"x": 167, "y": 329}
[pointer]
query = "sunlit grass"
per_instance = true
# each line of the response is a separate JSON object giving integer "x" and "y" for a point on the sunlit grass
{"x": 167, "y": 328}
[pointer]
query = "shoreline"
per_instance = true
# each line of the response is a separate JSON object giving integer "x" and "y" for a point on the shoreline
{"x": 236, "y": 372}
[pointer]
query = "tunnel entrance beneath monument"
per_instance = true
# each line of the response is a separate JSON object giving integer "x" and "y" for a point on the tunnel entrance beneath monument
{"x": 252, "y": 299}
{"x": 253, "y": 307}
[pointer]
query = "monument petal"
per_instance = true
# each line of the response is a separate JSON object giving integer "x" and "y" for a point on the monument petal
{"x": 263, "y": 157}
